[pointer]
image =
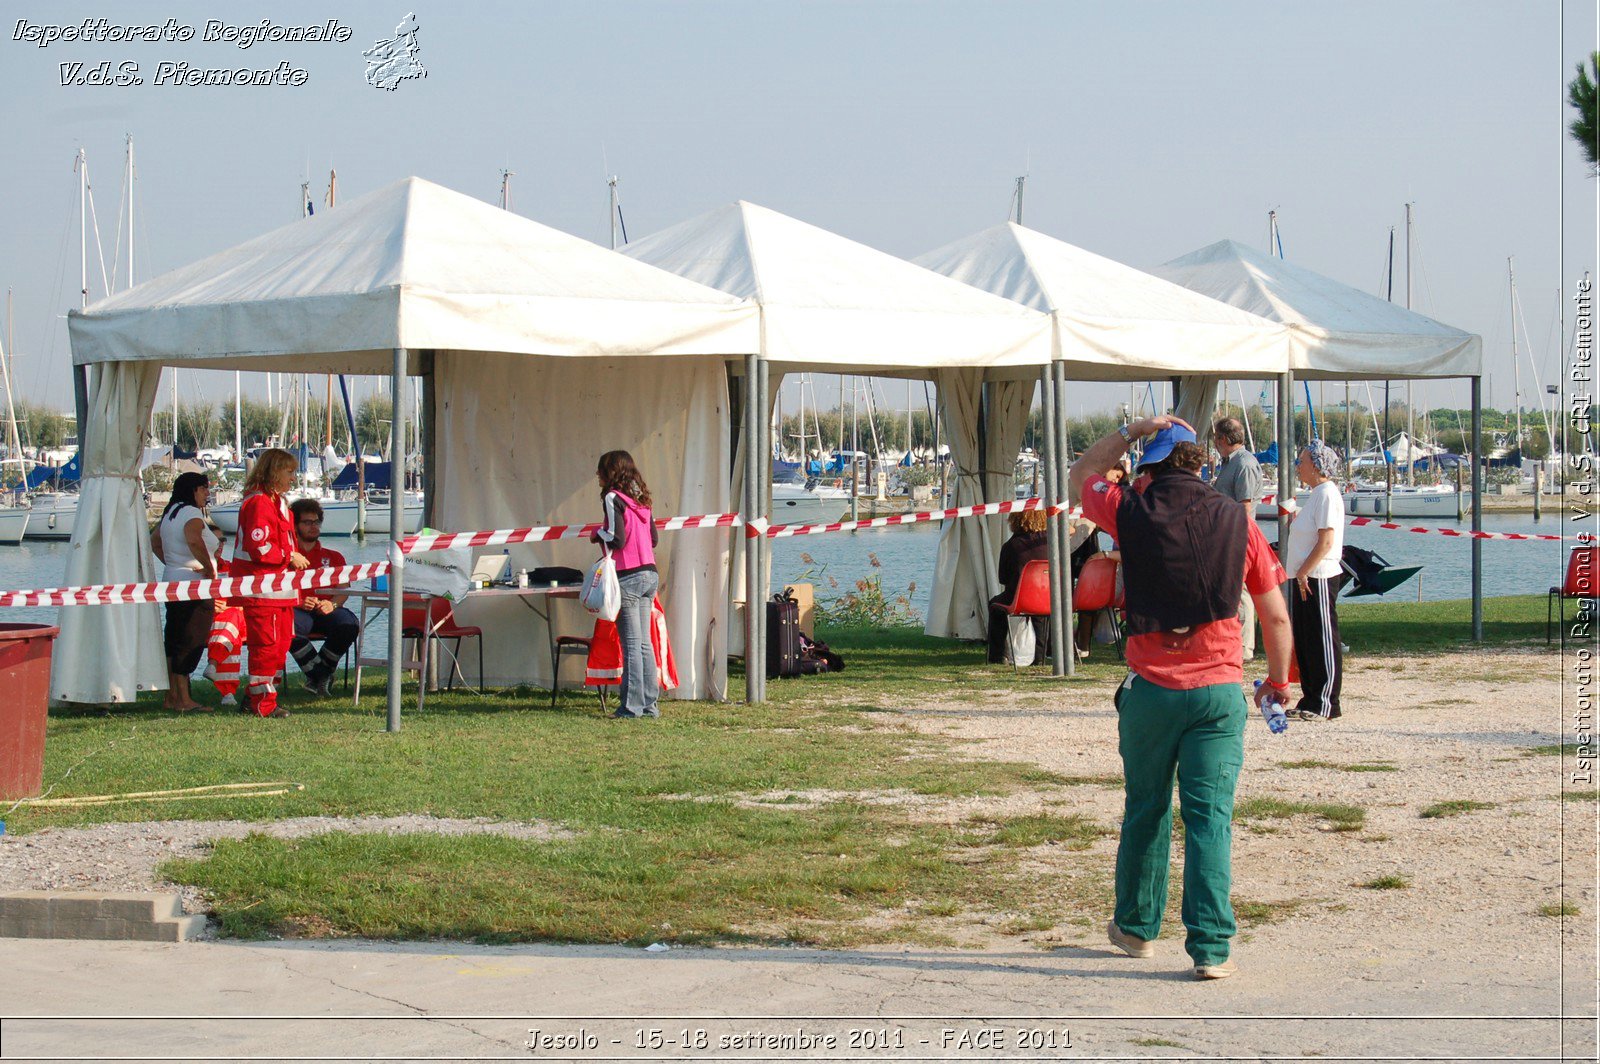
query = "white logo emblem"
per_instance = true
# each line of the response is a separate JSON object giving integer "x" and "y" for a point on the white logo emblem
{"x": 393, "y": 61}
{"x": 1102, "y": 486}
{"x": 258, "y": 534}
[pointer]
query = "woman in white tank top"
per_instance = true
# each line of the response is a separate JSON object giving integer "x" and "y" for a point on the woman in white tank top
{"x": 187, "y": 547}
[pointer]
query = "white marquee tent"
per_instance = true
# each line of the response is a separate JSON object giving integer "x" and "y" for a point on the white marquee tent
{"x": 1108, "y": 322}
{"x": 501, "y": 315}
{"x": 828, "y": 302}
{"x": 1335, "y": 332}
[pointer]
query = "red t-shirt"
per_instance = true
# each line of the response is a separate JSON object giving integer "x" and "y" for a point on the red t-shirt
{"x": 1208, "y": 653}
{"x": 320, "y": 557}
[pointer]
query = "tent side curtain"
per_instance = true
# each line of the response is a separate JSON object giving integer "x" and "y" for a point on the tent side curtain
{"x": 111, "y": 653}
{"x": 517, "y": 443}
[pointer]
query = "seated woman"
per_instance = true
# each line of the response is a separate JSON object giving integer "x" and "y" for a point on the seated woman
{"x": 1028, "y": 542}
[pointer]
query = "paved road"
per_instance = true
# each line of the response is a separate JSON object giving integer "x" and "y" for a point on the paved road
{"x": 208, "y": 1000}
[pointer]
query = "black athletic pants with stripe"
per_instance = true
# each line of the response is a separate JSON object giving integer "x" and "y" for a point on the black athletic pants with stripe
{"x": 1315, "y": 622}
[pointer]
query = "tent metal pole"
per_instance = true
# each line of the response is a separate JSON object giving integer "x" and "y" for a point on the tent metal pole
{"x": 1058, "y": 433}
{"x": 752, "y": 692}
{"x": 763, "y": 493}
{"x": 397, "y": 561}
{"x": 1477, "y": 509}
{"x": 1286, "y": 457}
{"x": 1058, "y": 630}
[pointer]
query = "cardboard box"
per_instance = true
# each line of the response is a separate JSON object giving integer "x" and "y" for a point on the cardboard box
{"x": 805, "y": 595}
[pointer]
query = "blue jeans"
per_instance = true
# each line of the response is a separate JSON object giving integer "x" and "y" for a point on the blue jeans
{"x": 641, "y": 687}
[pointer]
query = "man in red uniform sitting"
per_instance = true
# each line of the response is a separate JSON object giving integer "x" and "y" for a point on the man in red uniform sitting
{"x": 320, "y": 612}
{"x": 265, "y": 546}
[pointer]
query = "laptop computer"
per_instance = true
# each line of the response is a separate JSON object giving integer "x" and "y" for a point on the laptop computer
{"x": 490, "y": 569}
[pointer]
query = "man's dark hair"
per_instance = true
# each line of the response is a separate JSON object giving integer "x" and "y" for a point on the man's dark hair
{"x": 1187, "y": 456}
{"x": 1229, "y": 430}
{"x": 303, "y": 507}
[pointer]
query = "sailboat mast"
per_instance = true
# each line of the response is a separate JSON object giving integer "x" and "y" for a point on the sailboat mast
{"x": 1516, "y": 368}
{"x": 611, "y": 186}
{"x": 1411, "y": 416}
{"x": 82, "y": 166}
{"x": 14, "y": 440}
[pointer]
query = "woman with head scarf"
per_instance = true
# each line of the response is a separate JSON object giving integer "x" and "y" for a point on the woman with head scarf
{"x": 1314, "y": 561}
{"x": 186, "y": 546}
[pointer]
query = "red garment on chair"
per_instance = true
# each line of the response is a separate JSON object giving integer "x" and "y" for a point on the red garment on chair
{"x": 605, "y": 652}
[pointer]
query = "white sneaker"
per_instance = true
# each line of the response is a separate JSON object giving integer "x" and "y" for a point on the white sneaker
{"x": 1129, "y": 944}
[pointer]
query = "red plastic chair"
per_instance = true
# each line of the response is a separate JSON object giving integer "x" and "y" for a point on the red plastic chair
{"x": 438, "y": 621}
{"x": 1033, "y": 594}
{"x": 1097, "y": 590}
{"x": 1580, "y": 583}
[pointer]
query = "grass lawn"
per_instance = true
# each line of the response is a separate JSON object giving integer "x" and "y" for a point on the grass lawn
{"x": 661, "y": 842}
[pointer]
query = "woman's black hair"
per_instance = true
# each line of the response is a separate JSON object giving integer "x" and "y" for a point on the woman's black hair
{"x": 183, "y": 492}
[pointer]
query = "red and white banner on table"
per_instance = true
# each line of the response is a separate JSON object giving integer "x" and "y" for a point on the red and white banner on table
{"x": 193, "y": 590}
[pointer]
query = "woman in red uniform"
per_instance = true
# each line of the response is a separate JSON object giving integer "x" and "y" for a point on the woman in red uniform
{"x": 266, "y": 545}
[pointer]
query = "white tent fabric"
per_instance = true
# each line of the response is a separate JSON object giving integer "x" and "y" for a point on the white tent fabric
{"x": 111, "y": 653}
{"x": 417, "y": 266}
{"x": 828, "y": 302}
{"x": 1110, "y": 321}
{"x": 671, "y": 416}
{"x": 964, "y": 576}
{"x": 1335, "y": 332}
{"x": 410, "y": 265}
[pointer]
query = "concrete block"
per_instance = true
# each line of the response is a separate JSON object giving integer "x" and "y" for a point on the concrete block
{"x": 25, "y": 901}
{"x": 145, "y": 907}
{"x": 145, "y": 916}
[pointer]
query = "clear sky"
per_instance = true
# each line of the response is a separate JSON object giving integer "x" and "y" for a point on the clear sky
{"x": 1146, "y": 130}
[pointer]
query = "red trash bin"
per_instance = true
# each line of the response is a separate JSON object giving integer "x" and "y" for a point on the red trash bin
{"x": 25, "y": 677}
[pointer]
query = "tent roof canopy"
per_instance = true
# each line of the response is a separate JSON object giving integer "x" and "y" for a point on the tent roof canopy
{"x": 1112, "y": 322}
{"x": 411, "y": 265}
{"x": 832, "y": 303}
{"x": 1336, "y": 332}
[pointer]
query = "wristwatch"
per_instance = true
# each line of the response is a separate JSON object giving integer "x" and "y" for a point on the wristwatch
{"x": 1127, "y": 437}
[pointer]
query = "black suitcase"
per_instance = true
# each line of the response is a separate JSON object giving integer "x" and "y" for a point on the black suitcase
{"x": 783, "y": 637}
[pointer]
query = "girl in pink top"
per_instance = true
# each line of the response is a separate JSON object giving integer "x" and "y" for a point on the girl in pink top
{"x": 630, "y": 533}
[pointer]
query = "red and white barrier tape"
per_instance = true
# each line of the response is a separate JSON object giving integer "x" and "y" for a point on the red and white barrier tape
{"x": 979, "y": 510}
{"x": 540, "y": 533}
{"x": 1459, "y": 533}
{"x": 193, "y": 590}
{"x": 248, "y": 586}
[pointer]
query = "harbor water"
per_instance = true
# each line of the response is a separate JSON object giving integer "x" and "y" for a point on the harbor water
{"x": 907, "y": 554}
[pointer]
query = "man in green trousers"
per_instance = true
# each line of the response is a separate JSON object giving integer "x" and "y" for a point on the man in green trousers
{"x": 1187, "y": 551}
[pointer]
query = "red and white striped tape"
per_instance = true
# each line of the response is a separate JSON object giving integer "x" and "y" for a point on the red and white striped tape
{"x": 979, "y": 510}
{"x": 541, "y": 533}
{"x": 248, "y": 586}
{"x": 1460, "y": 533}
{"x": 193, "y": 590}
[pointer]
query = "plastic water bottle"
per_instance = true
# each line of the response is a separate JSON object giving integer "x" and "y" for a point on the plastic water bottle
{"x": 1272, "y": 710}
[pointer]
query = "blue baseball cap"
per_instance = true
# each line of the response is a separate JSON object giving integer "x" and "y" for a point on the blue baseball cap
{"x": 1161, "y": 444}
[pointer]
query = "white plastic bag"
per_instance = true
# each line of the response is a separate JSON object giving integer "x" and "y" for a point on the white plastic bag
{"x": 440, "y": 573}
{"x": 1021, "y": 647}
{"x": 602, "y": 595}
